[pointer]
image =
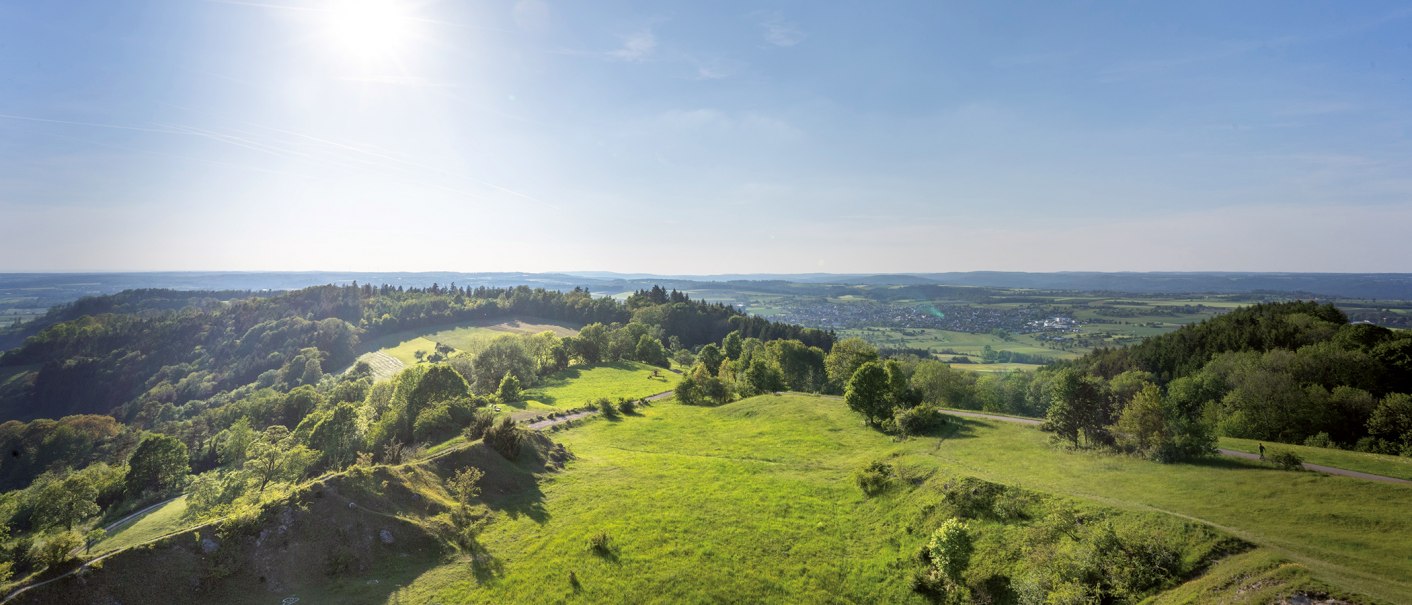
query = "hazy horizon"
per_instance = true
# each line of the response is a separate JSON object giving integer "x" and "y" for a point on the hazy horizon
{"x": 689, "y": 139}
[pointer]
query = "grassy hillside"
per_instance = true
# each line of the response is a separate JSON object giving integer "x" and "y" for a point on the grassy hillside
{"x": 353, "y": 537}
{"x": 1377, "y": 464}
{"x": 755, "y": 501}
{"x": 580, "y": 385}
{"x": 388, "y": 354}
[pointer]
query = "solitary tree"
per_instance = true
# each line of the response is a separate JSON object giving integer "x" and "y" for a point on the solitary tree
{"x": 868, "y": 392}
{"x": 465, "y": 484}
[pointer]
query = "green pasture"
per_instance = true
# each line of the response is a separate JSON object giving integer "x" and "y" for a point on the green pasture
{"x": 754, "y": 502}
{"x": 582, "y": 384}
{"x": 1377, "y": 464}
{"x": 151, "y": 525}
{"x": 405, "y": 344}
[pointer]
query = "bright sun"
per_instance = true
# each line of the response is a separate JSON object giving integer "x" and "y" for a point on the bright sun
{"x": 370, "y": 33}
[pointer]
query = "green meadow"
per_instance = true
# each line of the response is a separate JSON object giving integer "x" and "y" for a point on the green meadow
{"x": 580, "y": 385}
{"x": 1377, "y": 464}
{"x": 755, "y": 502}
{"x": 404, "y": 346}
{"x": 159, "y": 522}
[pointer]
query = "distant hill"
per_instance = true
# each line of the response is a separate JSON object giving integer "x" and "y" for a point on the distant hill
{"x": 27, "y": 295}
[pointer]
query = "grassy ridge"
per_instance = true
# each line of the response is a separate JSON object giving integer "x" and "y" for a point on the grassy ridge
{"x": 754, "y": 501}
{"x": 1377, "y": 464}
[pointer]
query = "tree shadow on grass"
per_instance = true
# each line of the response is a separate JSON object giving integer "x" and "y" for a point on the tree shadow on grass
{"x": 956, "y": 427}
{"x": 1229, "y": 463}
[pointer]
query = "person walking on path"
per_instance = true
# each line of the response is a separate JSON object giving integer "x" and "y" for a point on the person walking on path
{"x": 1262, "y": 451}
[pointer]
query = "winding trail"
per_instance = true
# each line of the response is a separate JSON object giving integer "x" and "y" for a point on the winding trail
{"x": 1328, "y": 470}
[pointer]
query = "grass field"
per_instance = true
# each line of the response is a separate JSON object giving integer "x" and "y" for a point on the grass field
{"x": 403, "y": 346}
{"x": 580, "y": 385}
{"x": 1377, "y": 464}
{"x": 754, "y": 502}
{"x": 961, "y": 343}
{"x": 157, "y": 523}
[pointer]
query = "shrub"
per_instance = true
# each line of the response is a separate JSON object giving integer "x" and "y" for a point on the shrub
{"x": 600, "y": 543}
{"x": 918, "y": 420}
{"x": 627, "y": 406}
{"x": 1286, "y": 460}
{"x": 606, "y": 408}
{"x": 55, "y": 550}
{"x": 481, "y": 421}
{"x": 505, "y": 438}
{"x": 874, "y": 478}
{"x": 1320, "y": 439}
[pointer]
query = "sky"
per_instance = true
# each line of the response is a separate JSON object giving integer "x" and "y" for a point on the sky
{"x": 705, "y": 137}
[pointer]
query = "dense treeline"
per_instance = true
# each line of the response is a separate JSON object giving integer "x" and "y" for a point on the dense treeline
{"x": 1294, "y": 372}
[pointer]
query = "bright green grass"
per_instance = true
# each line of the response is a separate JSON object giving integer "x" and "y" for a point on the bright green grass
{"x": 1349, "y": 532}
{"x": 460, "y": 336}
{"x": 580, "y": 385}
{"x": 754, "y": 502}
{"x": 964, "y": 343}
{"x": 406, "y": 350}
{"x": 1377, "y": 464}
{"x": 154, "y": 524}
{"x": 996, "y": 367}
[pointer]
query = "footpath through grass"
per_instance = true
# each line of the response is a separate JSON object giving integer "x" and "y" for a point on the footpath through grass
{"x": 154, "y": 524}
{"x": 1377, "y": 464}
{"x": 755, "y": 502}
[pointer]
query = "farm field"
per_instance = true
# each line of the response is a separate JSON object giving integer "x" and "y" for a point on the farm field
{"x": 755, "y": 501}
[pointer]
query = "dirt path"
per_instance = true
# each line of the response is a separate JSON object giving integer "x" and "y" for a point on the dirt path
{"x": 544, "y": 424}
{"x": 1328, "y": 470}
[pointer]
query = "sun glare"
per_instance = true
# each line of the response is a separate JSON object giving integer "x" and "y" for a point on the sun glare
{"x": 370, "y": 32}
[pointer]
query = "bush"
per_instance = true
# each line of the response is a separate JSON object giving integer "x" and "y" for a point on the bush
{"x": 627, "y": 407}
{"x": 55, "y": 550}
{"x": 606, "y": 408}
{"x": 874, "y": 478}
{"x": 918, "y": 420}
{"x": 1320, "y": 439}
{"x": 504, "y": 438}
{"x": 1286, "y": 460}
{"x": 600, "y": 543}
{"x": 481, "y": 421}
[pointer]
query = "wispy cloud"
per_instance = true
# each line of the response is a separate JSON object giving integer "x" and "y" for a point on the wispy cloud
{"x": 636, "y": 47}
{"x": 780, "y": 32}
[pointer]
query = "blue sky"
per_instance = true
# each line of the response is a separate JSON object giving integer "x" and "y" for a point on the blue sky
{"x": 705, "y": 137}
